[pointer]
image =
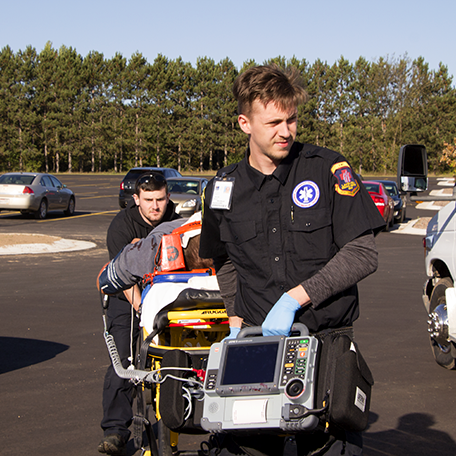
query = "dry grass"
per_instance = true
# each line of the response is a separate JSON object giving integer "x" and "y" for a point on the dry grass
{"x": 25, "y": 238}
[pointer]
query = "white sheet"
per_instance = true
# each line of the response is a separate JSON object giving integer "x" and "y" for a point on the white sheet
{"x": 162, "y": 294}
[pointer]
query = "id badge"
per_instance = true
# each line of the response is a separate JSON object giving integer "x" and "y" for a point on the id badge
{"x": 222, "y": 193}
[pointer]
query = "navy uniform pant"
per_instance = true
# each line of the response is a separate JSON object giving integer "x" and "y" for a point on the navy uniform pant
{"x": 117, "y": 392}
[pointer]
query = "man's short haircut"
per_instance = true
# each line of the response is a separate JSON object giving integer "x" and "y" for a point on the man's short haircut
{"x": 191, "y": 255}
{"x": 269, "y": 83}
{"x": 150, "y": 182}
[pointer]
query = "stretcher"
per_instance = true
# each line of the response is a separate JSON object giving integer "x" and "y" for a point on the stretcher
{"x": 182, "y": 315}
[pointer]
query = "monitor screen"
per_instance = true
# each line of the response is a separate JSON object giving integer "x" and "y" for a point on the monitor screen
{"x": 250, "y": 363}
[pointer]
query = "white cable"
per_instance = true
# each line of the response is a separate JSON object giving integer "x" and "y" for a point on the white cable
{"x": 133, "y": 374}
{"x": 181, "y": 379}
{"x": 187, "y": 395}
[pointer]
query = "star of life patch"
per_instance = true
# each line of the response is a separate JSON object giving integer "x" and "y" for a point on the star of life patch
{"x": 306, "y": 194}
{"x": 346, "y": 182}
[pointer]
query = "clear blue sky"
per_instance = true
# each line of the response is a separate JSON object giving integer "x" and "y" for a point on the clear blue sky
{"x": 239, "y": 30}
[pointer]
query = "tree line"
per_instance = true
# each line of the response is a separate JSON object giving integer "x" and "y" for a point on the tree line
{"x": 61, "y": 112}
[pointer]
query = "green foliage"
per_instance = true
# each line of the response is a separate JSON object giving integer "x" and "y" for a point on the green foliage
{"x": 63, "y": 112}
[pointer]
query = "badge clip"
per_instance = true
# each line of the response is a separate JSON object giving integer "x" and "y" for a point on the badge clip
{"x": 222, "y": 193}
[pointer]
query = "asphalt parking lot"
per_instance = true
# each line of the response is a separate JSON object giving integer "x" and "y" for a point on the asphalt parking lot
{"x": 53, "y": 357}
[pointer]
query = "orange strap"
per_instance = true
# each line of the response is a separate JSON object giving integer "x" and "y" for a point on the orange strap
{"x": 187, "y": 227}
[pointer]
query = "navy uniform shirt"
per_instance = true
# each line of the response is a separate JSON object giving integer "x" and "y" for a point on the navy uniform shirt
{"x": 283, "y": 228}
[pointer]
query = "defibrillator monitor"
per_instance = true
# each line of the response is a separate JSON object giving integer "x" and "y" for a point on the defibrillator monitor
{"x": 250, "y": 366}
{"x": 261, "y": 383}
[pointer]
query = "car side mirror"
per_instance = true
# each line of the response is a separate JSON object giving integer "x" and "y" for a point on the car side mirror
{"x": 412, "y": 169}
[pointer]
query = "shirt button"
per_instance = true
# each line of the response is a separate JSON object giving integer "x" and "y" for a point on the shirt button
{"x": 276, "y": 259}
{"x": 274, "y": 230}
{"x": 281, "y": 287}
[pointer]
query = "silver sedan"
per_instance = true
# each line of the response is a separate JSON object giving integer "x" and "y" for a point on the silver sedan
{"x": 186, "y": 194}
{"x": 37, "y": 193}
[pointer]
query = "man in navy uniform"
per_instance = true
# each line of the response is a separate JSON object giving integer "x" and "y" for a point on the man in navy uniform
{"x": 291, "y": 231}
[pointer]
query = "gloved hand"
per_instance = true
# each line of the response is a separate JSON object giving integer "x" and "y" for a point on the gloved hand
{"x": 280, "y": 318}
{"x": 234, "y": 331}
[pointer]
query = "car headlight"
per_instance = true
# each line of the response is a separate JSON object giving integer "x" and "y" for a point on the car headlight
{"x": 190, "y": 203}
{"x": 428, "y": 242}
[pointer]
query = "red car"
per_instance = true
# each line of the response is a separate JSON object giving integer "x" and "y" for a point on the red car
{"x": 382, "y": 200}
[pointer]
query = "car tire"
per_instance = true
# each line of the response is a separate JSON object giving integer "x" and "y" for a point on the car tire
{"x": 41, "y": 213}
{"x": 440, "y": 349}
{"x": 69, "y": 211}
{"x": 388, "y": 226}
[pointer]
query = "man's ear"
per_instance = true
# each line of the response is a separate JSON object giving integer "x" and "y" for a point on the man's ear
{"x": 244, "y": 123}
{"x": 136, "y": 198}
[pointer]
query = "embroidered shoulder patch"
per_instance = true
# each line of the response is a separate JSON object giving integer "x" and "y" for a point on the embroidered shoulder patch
{"x": 346, "y": 182}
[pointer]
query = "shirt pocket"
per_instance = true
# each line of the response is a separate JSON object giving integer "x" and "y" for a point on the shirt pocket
{"x": 242, "y": 242}
{"x": 310, "y": 235}
{"x": 237, "y": 232}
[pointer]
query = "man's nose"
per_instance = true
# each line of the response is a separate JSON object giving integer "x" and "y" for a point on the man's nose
{"x": 284, "y": 131}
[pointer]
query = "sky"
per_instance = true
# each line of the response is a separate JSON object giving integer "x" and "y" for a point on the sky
{"x": 240, "y": 30}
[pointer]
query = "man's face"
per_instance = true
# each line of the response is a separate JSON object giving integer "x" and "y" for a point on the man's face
{"x": 152, "y": 205}
{"x": 272, "y": 131}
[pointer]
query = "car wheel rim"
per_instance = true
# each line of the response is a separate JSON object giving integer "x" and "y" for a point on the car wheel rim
{"x": 438, "y": 327}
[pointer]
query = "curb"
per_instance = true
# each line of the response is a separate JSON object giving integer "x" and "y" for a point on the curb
{"x": 59, "y": 245}
{"x": 408, "y": 228}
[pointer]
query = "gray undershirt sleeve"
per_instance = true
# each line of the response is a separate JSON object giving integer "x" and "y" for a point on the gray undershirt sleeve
{"x": 227, "y": 280}
{"x": 354, "y": 261}
{"x": 135, "y": 260}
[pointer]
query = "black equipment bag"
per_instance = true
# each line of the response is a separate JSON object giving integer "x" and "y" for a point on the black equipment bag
{"x": 173, "y": 405}
{"x": 344, "y": 383}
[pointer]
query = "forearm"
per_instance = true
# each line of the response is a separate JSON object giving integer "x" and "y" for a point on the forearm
{"x": 133, "y": 296}
{"x": 227, "y": 280}
{"x": 355, "y": 261}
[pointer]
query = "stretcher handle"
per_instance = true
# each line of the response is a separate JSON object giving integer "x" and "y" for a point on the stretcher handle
{"x": 258, "y": 331}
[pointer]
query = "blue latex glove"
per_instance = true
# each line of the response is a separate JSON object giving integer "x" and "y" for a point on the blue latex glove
{"x": 234, "y": 331}
{"x": 280, "y": 318}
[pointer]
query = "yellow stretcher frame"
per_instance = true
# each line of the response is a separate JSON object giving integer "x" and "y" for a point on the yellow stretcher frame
{"x": 193, "y": 331}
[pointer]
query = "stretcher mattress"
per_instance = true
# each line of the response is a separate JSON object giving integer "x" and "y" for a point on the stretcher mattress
{"x": 164, "y": 293}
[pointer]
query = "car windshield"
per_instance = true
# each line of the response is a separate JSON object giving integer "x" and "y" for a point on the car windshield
{"x": 133, "y": 174}
{"x": 391, "y": 188}
{"x": 372, "y": 187}
{"x": 183, "y": 186}
{"x": 16, "y": 179}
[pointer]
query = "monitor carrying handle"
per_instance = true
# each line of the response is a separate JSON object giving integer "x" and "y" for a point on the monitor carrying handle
{"x": 257, "y": 330}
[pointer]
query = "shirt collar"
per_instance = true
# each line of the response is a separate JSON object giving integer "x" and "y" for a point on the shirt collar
{"x": 280, "y": 173}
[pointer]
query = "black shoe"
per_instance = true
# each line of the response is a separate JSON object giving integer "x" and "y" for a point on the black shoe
{"x": 113, "y": 444}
